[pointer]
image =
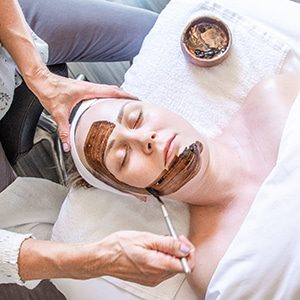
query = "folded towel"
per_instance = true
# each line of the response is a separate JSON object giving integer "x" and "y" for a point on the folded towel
{"x": 206, "y": 97}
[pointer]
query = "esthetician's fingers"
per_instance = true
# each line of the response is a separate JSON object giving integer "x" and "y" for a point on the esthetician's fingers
{"x": 83, "y": 91}
{"x": 187, "y": 244}
{"x": 59, "y": 95}
{"x": 191, "y": 256}
{"x": 140, "y": 257}
{"x": 171, "y": 246}
{"x": 92, "y": 90}
{"x": 63, "y": 128}
{"x": 171, "y": 250}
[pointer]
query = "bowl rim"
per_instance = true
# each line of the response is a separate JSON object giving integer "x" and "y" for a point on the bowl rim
{"x": 193, "y": 22}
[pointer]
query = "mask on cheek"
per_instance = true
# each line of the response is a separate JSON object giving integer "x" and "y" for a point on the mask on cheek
{"x": 181, "y": 170}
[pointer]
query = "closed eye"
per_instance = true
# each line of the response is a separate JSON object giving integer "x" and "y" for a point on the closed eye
{"x": 125, "y": 157}
{"x": 134, "y": 121}
{"x": 138, "y": 120}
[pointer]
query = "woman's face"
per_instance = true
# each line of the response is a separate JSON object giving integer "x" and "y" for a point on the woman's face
{"x": 144, "y": 141}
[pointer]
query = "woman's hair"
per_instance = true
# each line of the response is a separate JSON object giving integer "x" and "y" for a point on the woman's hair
{"x": 73, "y": 177}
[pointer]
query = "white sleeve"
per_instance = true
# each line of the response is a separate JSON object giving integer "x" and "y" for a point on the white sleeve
{"x": 10, "y": 244}
{"x": 28, "y": 205}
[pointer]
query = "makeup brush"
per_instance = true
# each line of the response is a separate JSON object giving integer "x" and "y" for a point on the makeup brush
{"x": 170, "y": 226}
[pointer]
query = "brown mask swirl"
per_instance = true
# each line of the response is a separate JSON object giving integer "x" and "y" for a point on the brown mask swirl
{"x": 181, "y": 170}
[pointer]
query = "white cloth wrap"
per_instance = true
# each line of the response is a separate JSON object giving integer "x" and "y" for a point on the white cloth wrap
{"x": 206, "y": 97}
{"x": 10, "y": 244}
{"x": 27, "y": 205}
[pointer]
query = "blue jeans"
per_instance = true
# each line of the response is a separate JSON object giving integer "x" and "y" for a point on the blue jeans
{"x": 88, "y": 30}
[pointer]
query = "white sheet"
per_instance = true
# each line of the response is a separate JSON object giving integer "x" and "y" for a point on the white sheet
{"x": 141, "y": 80}
{"x": 263, "y": 261}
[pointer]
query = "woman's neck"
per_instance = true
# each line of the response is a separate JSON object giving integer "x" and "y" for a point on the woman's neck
{"x": 233, "y": 166}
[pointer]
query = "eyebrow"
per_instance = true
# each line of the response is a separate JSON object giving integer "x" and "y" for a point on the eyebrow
{"x": 121, "y": 112}
{"x": 108, "y": 148}
{"x": 119, "y": 120}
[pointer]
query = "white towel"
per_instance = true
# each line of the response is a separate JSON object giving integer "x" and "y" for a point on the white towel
{"x": 206, "y": 97}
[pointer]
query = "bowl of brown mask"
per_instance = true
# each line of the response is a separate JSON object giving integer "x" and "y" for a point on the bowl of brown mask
{"x": 206, "y": 41}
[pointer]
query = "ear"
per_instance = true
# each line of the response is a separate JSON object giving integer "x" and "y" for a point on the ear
{"x": 140, "y": 197}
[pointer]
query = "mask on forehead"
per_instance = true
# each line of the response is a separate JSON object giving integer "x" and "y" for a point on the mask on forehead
{"x": 181, "y": 170}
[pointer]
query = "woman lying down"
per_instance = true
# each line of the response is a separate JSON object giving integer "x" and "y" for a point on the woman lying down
{"x": 133, "y": 146}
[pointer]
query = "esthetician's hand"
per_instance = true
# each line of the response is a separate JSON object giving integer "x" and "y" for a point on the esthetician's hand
{"x": 140, "y": 257}
{"x": 59, "y": 95}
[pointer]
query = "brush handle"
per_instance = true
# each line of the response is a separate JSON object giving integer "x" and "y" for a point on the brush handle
{"x": 172, "y": 231}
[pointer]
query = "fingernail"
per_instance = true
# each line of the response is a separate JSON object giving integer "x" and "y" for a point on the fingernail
{"x": 66, "y": 147}
{"x": 185, "y": 248}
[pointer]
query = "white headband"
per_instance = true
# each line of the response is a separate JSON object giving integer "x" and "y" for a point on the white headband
{"x": 83, "y": 171}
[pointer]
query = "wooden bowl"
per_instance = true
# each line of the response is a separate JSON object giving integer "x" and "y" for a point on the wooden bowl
{"x": 206, "y": 41}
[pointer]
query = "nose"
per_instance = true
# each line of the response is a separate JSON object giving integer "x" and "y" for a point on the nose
{"x": 145, "y": 140}
{"x": 149, "y": 142}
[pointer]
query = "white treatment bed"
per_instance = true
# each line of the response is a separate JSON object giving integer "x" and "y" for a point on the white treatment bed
{"x": 263, "y": 259}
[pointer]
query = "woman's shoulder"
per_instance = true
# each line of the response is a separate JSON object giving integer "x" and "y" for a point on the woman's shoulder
{"x": 283, "y": 87}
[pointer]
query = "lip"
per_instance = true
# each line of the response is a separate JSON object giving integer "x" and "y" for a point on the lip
{"x": 169, "y": 149}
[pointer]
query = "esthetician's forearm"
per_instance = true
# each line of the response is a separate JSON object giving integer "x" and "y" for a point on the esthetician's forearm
{"x": 16, "y": 38}
{"x": 140, "y": 257}
{"x": 46, "y": 259}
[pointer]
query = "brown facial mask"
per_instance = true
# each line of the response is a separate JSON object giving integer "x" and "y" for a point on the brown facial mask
{"x": 94, "y": 151}
{"x": 181, "y": 170}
